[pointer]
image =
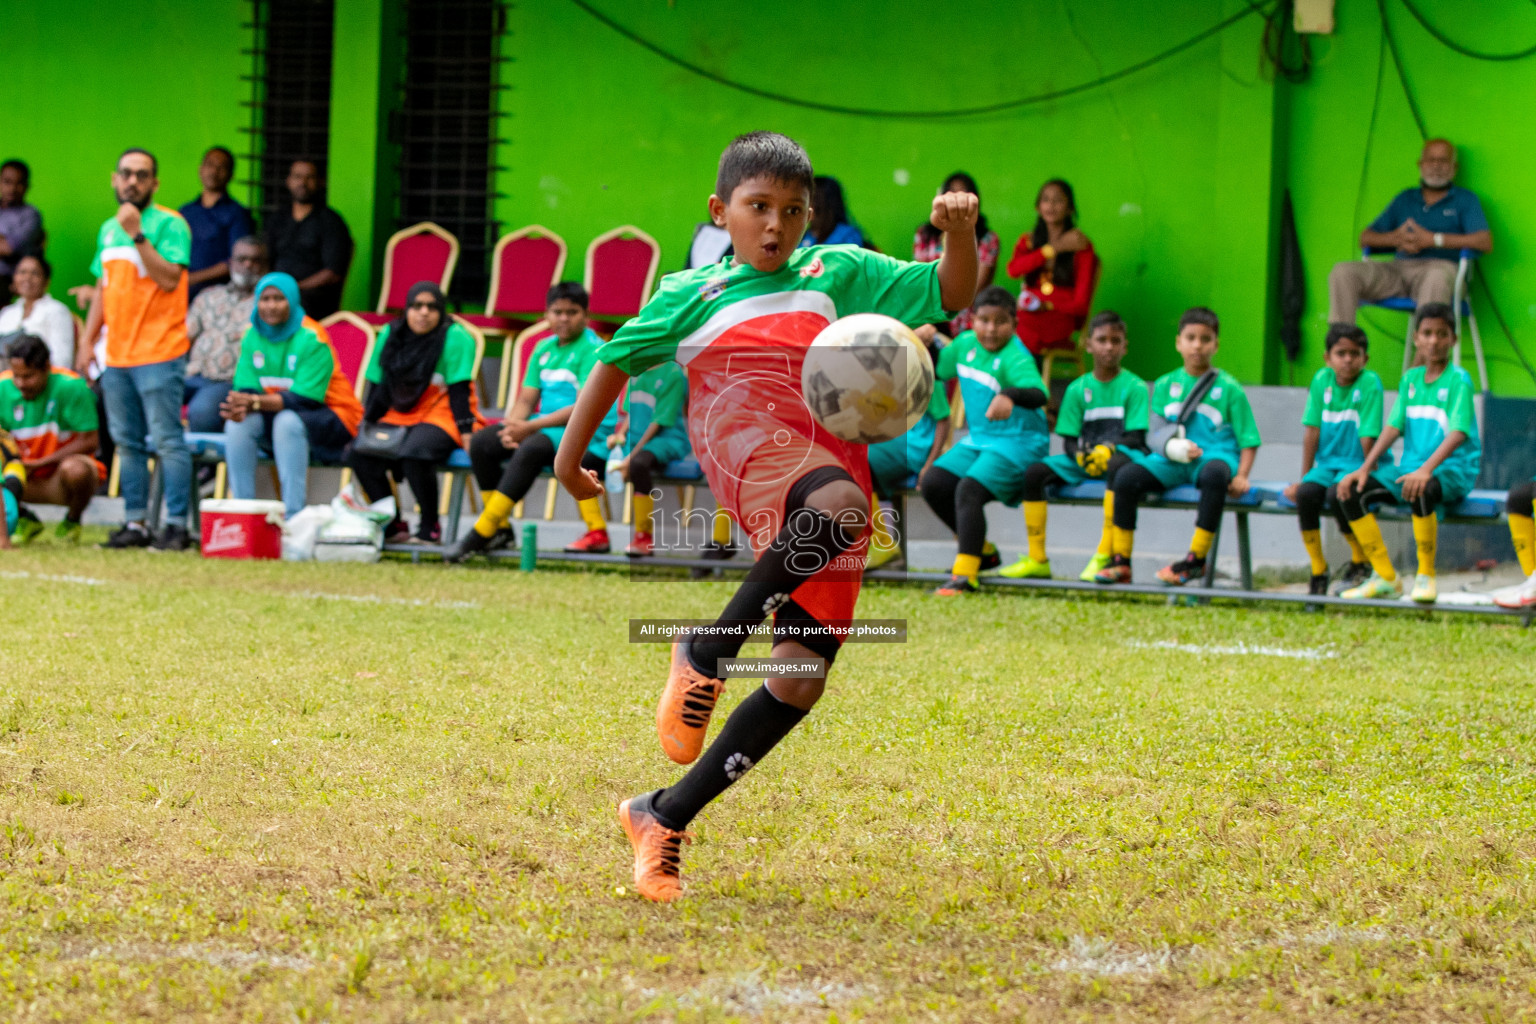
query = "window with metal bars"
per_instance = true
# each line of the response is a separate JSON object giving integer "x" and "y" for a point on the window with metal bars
{"x": 446, "y": 129}
{"x": 290, "y": 93}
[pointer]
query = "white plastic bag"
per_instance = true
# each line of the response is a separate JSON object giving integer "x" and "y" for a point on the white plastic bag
{"x": 355, "y": 532}
{"x": 301, "y": 532}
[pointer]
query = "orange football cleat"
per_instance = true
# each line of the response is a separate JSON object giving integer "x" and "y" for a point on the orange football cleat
{"x": 682, "y": 716}
{"x": 658, "y": 850}
{"x": 593, "y": 542}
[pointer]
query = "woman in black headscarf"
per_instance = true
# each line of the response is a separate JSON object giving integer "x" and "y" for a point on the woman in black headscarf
{"x": 421, "y": 377}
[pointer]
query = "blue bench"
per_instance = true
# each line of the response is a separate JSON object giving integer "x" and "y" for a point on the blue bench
{"x": 1265, "y": 497}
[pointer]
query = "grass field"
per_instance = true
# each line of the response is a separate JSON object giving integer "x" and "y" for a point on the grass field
{"x": 270, "y": 792}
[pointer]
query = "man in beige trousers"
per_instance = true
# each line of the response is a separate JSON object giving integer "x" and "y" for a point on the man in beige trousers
{"x": 1427, "y": 226}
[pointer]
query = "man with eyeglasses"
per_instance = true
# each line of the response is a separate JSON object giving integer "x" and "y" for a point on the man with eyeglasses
{"x": 1426, "y": 227}
{"x": 141, "y": 302}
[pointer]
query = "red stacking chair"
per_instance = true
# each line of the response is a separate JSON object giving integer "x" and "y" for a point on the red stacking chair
{"x": 352, "y": 337}
{"x": 621, "y": 268}
{"x": 525, "y": 264}
{"x": 421, "y": 252}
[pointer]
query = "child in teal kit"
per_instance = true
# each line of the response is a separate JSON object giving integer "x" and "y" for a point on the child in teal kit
{"x": 1005, "y": 402}
{"x": 1103, "y": 416}
{"x": 655, "y": 406}
{"x": 892, "y": 462}
{"x": 1342, "y": 421}
{"x": 1216, "y": 454}
{"x": 1441, "y": 458}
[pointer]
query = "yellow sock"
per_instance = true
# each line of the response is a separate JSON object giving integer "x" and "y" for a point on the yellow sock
{"x": 1200, "y": 545}
{"x": 881, "y": 533}
{"x": 1107, "y": 538}
{"x": 1313, "y": 539}
{"x": 1426, "y": 531}
{"x": 644, "y": 506}
{"x": 1369, "y": 532}
{"x": 592, "y": 514}
{"x": 1123, "y": 542}
{"x": 1356, "y": 552}
{"x": 1034, "y": 526}
{"x": 497, "y": 513}
{"x": 722, "y": 528}
{"x": 968, "y": 566}
{"x": 1523, "y": 530}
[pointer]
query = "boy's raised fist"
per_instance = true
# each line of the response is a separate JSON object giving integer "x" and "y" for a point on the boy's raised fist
{"x": 953, "y": 211}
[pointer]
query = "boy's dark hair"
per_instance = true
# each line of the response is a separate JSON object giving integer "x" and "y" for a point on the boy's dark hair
{"x": 30, "y": 349}
{"x": 992, "y": 295}
{"x": 1338, "y": 332}
{"x": 228, "y": 154}
{"x": 567, "y": 290}
{"x": 1201, "y": 315}
{"x": 1435, "y": 311}
{"x": 154, "y": 164}
{"x": 766, "y": 155}
{"x": 42, "y": 264}
{"x": 20, "y": 165}
{"x": 1107, "y": 318}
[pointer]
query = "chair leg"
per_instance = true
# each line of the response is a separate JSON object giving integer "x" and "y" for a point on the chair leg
{"x": 517, "y": 510}
{"x": 156, "y": 485}
{"x": 220, "y": 479}
{"x": 549, "y": 499}
{"x": 346, "y": 478}
{"x": 1477, "y": 350}
{"x": 689, "y": 492}
{"x": 1210, "y": 562}
{"x": 114, "y": 475}
{"x": 443, "y": 488}
{"x": 629, "y": 503}
{"x": 455, "y": 494}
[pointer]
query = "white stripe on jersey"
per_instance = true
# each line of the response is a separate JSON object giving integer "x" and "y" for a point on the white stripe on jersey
{"x": 126, "y": 254}
{"x": 1342, "y": 416}
{"x": 981, "y": 377}
{"x": 42, "y": 430}
{"x": 1171, "y": 413}
{"x": 1431, "y": 412}
{"x": 1105, "y": 412}
{"x": 557, "y": 377}
{"x": 737, "y": 313}
{"x": 276, "y": 383}
{"x": 642, "y": 398}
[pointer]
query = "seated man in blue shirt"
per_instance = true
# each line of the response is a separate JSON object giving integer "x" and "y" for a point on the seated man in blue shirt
{"x": 1427, "y": 226}
{"x": 216, "y": 220}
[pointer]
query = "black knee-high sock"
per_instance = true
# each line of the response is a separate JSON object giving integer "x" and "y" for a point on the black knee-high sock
{"x": 802, "y": 549}
{"x": 971, "y": 516}
{"x": 754, "y": 728}
{"x": 938, "y": 487}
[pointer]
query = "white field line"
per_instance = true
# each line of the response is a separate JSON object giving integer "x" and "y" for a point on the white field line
{"x": 228, "y": 959}
{"x": 414, "y": 602}
{"x": 88, "y": 581}
{"x": 749, "y": 993}
{"x": 1306, "y": 653}
{"x": 1108, "y": 959}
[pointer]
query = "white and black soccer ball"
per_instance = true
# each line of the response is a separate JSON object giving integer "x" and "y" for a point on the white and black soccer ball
{"x": 867, "y": 378}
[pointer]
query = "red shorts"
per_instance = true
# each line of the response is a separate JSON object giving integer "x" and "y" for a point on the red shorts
{"x": 766, "y": 481}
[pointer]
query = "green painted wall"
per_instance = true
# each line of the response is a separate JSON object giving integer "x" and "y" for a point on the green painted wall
{"x": 88, "y": 81}
{"x": 1178, "y": 169}
{"x": 1480, "y": 106}
{"x": 602, "y": 132}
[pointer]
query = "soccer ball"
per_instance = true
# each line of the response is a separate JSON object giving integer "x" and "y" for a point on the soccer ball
{"x": 867, "y": 378}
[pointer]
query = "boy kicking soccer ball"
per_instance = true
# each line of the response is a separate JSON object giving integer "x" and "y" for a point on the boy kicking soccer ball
{"x": 1103, "y": 415}
{"x": 1441, "y": 458}
{"x": 740, "y": 328}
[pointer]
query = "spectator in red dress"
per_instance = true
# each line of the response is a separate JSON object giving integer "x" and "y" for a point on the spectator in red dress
{"x": 1057, "y": 264}
{"x": 927, "y": 247}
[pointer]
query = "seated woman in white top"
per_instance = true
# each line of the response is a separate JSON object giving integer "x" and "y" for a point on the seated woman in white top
{"x": 37, "y": 312}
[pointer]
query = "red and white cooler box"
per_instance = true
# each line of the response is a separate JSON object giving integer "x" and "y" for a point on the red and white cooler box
{"x": 242, "y": 528}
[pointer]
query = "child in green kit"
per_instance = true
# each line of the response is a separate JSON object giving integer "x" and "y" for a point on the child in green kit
{"x": 1215, "y": 454}
{"x": 1005, "y": 402}
{"x": 1441, "y": 458}
{"x": 1342, "y": 421}
{"x": 892, "y": 462}
{"x": 1103, "y": 416}
{"x": 654, "y": 433}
